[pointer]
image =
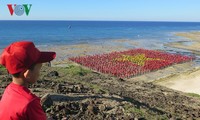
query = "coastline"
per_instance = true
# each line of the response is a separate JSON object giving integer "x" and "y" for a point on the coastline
{"x": 176, "y": 77}
{"x": 187, "y": 81}
{"x": 182, "y": 77}
{"x": 66, "y": 51}
{"x": 191, "y": 42}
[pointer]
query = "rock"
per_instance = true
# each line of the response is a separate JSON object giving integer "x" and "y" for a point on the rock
{"x": 102, "y": 108}
{"x": 46, "y": 101}
{"x": 53, "y": 84}
{"x": 53, "y": 74}
{"x": 48, "y": 110}
{"x": 95, "y": 110}
{"x": 77, "y": 88}
{"x": 90, "y": 108}
{"x": 58, "y": 88}
{"x": 120, "y": 110}
{"x": 57, "y": 108}
{"x": 64, "y": 118}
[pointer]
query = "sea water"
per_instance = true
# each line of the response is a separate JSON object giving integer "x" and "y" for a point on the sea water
{"x": 42, "y": 33}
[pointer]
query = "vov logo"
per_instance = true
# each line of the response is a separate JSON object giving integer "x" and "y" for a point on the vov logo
{"x": 19, "y": 9}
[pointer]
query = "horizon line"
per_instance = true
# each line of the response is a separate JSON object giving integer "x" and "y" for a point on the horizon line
{"x": 106, "y": 20}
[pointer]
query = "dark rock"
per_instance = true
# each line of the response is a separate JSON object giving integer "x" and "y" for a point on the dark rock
{"x": 58, "y": 88}
{"x": 46, "y": 101}
{"x": 53, "y": 74}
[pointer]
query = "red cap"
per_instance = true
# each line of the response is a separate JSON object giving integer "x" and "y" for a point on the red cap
{"x": 21, "y": 55}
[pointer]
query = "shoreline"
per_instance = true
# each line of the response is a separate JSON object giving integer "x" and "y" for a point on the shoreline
{"x": 66, "y": 51}
{"x": 171, "y": 77}
{"x": 191, "y": 42}
{"x": 187, "y": 81}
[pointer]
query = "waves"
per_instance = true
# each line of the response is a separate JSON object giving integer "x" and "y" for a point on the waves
{"x": 58, "y": 32}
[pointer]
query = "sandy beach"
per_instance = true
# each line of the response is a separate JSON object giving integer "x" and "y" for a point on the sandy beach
{"x": 188, "y": 81}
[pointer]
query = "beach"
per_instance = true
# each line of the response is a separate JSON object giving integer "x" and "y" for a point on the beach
{"x": 183, "y": 77}
{"x": 187, "y": 81}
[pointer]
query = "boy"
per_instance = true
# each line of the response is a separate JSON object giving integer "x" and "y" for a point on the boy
{"x": 24, "y": 61}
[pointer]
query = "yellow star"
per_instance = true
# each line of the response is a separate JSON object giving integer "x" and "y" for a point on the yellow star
{"x": 138, "y": 59}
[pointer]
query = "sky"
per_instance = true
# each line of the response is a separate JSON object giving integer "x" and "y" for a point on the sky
{"x": 111, "y": 10}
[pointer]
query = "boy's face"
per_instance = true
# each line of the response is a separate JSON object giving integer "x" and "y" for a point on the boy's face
{"x": 34, "y": 74}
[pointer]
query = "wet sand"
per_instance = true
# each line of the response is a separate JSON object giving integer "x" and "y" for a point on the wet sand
{"x": 191, "y": 42}
{"x": 66, "y": 51}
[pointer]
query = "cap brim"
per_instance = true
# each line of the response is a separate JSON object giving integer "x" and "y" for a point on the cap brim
{"x": 46, "y": 57}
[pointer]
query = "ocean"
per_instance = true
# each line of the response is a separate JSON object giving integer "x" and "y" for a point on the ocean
{"x": 44, "y": 33}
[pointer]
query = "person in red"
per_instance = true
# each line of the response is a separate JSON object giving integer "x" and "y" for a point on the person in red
{"x": 23, "y": 61}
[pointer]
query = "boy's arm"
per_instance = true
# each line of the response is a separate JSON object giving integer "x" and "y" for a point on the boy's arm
{"x": 34, "y": 111}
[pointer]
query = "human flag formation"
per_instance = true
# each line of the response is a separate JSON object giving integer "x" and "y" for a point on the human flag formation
{"x": 130, "y": 63}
